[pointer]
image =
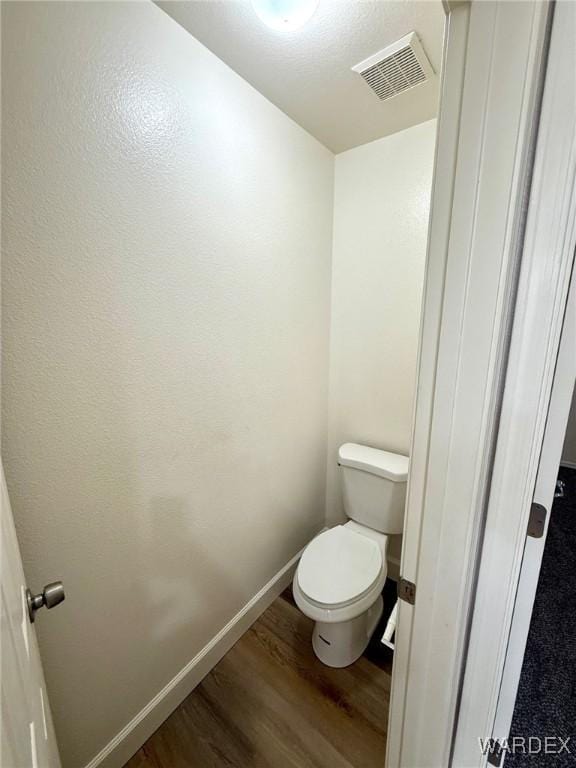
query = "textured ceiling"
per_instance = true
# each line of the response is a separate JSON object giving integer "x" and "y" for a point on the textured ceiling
{"x": 307, "y": 74}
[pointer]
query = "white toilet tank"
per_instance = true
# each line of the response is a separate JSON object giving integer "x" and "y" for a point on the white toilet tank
{"x": 374, "y": 486}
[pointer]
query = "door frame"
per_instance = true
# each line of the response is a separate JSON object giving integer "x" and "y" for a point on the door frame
{"x": 547, "y": 264}
{"x": 550, "y": 460}
{"x": 487, "y": 126}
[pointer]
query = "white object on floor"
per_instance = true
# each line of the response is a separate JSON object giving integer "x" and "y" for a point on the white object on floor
{"x": 390, "y": 628}
{"x": 340, "y": 577}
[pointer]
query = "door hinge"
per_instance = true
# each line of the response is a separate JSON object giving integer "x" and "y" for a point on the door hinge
{"x": 406, "y": 590}
{"x": 495, "y": 755}
{"x": 537, "y": 521}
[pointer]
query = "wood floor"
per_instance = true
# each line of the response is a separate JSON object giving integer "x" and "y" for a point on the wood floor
{"x": 271, "y": 704}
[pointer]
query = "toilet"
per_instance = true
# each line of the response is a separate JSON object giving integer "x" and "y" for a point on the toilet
{"x": 339, "y": 579}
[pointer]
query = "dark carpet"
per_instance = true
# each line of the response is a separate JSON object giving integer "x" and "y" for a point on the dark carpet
{"x": 546, "y": 703}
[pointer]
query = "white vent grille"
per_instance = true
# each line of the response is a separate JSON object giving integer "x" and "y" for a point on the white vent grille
{"x": 401, "y": 66}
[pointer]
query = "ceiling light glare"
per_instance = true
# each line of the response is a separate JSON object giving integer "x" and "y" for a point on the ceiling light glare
{"x": 285, "y": 15}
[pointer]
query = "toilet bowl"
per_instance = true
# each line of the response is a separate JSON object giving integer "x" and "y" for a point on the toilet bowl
{"x": 339, "y": 580}
{"x": 338, "y": 584}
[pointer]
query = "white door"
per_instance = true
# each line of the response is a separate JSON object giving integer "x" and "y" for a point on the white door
{"x": 530, "y": 426}
{"x": 487, "y": 119}
{"x": 562, "y": 389}
{"x": 28, "y": 739}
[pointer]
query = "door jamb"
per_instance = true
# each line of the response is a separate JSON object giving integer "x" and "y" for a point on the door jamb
{"x": 547, "y": 263}
{"x": 486, "y": 129}
{"x": 550, "y": 460}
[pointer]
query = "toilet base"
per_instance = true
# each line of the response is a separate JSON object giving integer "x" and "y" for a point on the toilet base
{"x": 342, "y": 643}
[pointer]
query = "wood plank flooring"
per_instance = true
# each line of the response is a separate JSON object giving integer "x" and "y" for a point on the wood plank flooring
{"x": 271, "y": 704}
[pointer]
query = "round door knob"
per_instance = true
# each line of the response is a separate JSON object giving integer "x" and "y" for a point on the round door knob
{"x": 52, "y": 595}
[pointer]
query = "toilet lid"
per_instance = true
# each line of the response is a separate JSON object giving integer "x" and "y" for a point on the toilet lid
{"x": 339, "y": 566}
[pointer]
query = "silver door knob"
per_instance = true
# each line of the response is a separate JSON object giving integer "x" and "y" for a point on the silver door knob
{"x": 52, "y": 595}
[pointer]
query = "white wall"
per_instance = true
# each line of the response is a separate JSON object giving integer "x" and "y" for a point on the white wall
{"x": 381, "y": 207}
{"x": 167, "y": 239}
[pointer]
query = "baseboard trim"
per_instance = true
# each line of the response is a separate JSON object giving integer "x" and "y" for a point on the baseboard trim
{"x": 568, "y": 464}
{"x": 129, "y": 740}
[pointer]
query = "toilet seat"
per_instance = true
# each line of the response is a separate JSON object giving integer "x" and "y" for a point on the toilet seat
{"x": 339, "y": 567}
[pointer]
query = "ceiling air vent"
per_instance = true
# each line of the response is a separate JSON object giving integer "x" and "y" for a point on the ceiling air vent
{"x": 397, "y": 68}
